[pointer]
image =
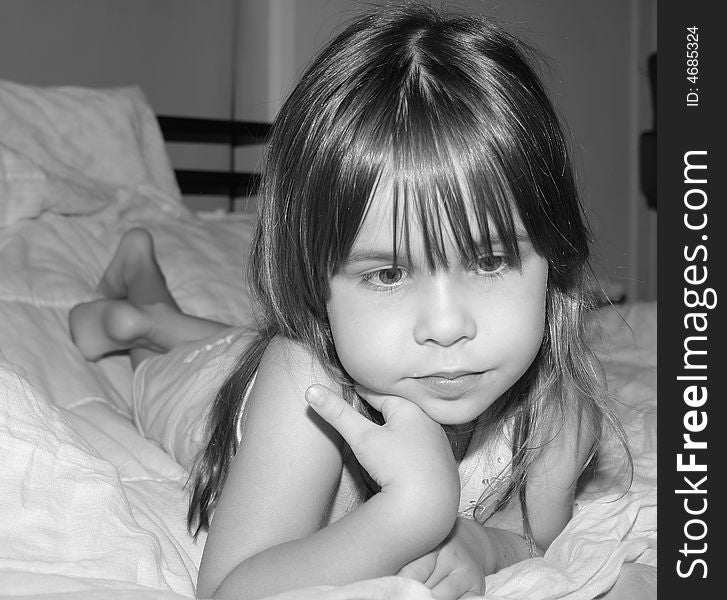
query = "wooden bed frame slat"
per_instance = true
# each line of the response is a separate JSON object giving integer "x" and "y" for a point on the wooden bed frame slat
{"x": 217, "y": 183}
{"x": 229, "y": 133}
{"x": 213, "y": 131}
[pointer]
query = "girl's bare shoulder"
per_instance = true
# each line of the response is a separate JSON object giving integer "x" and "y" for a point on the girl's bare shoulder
{"x": 291, "y": 366}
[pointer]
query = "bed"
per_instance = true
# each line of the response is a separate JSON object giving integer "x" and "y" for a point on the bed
{"x": 93, "y": 508}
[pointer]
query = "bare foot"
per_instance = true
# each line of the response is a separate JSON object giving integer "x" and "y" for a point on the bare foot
{"x": 134, "y": 272}
{"x": 103, "y": 326}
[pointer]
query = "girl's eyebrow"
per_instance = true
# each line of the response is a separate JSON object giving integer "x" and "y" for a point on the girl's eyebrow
{"x": 373, "y": 255}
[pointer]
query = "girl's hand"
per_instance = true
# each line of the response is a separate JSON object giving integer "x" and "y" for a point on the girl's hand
{"x": 409, "y": 457}
{"x": 456, "y": 568}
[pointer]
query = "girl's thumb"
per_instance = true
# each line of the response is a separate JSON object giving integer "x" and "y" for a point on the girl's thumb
{"x": 384, "y": 403}
{"x": 337, "y": 412}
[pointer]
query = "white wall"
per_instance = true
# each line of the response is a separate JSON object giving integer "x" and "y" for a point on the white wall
{"x": 160, "y": 45}
{"x": 597, "y": 76}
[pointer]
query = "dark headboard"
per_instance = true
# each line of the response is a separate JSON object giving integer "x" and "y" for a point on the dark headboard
{"x": 647, "y": 143}
{"x": 232, "y": 134}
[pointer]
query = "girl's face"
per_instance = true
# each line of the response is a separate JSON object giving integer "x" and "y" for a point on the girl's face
{"x": 452, "y": 341}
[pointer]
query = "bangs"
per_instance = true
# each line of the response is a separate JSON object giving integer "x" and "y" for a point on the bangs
{"x": 445, "y": 175}
{"x": 444, "y": 199}
{"x": 440, "y": 197}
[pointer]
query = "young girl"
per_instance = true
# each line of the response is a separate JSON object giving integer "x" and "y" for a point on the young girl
{"x": 419, "y": 399}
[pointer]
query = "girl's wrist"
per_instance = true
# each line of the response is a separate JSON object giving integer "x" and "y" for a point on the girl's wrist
{"x": 428, "y": 517}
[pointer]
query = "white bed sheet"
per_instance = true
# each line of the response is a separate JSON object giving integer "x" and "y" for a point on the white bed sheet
{"x": 93, "y": 509}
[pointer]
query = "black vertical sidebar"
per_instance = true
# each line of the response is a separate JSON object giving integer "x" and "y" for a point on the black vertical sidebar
{"x": 692, "y": 363}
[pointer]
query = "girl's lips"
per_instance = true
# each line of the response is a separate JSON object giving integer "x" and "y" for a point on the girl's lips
{"x": 450, "y": 387}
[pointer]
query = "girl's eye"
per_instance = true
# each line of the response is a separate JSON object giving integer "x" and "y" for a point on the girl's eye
{"x": 491, "y": 264}
{"x": 389, "y": 277}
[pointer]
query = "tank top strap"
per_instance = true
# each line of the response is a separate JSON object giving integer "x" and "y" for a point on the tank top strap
{"x": 242, "y": 413}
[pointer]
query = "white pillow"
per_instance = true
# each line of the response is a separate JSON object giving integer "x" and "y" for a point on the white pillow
{"x": 73, "y": 150}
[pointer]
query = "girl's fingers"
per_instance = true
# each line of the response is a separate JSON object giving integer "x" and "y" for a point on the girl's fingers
{"x": 338, "y": 413}
{"x": 451, "y": 587}
{"x": 386, "y": 405}
{"x": 420, "y": 569}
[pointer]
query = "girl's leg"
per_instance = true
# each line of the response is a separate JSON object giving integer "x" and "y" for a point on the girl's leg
{"x": 103, "y": 326}
{"x": 138, "y": 313}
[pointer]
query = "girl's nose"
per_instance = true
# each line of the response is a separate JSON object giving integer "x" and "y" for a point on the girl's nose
{"x": 445, "y": 316}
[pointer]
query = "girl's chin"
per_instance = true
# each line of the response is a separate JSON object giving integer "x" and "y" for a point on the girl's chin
{"x": 455, "y": 412}
{"x": 453, "y": 420}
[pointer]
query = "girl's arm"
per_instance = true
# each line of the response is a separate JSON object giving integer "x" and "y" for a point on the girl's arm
{"x": 266, "y": 534}
{"x": 550, "y": 493}
{"x": 553, "y": 477}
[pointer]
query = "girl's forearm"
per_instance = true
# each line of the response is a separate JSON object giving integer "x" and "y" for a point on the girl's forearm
{"x": 374, "y": 540}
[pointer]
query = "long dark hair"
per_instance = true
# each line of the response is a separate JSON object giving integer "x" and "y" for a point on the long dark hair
{"x": 452, "y": 109}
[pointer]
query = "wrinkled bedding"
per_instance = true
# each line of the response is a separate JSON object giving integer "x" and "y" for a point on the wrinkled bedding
{"x": 94, "y": 509}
